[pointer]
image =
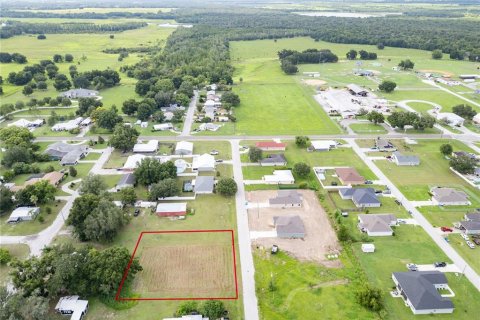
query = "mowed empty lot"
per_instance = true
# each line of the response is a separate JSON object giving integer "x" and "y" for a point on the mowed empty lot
{"x": 186, "y": 265}
{"x": 272, "y": 102}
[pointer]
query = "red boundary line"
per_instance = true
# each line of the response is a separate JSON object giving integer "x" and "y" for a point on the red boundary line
{"x": 125, "y": 274}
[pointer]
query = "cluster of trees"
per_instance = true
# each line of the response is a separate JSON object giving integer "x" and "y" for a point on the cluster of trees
{"x": 302, "y": 141}
{"x": 58, "y": 58}
{"x": 14, "y": 57}
{"x": 406, "y": 64}
{"x": 47, "y": 101}
{"x": 149, "y": 108}
{"x": 124, "y": 137}
{"x": 375, "y": 117}
{"x": 465, "y": 111}
{"x": 437, "y": 54}
{"x": 151, "y": 171}
{"x": 13, "y": 28}
{"x": 211, "y": 309}
{"x": 98, "y": 79}
{"x": 62, "y": 270}
{"x": 387, "y": 86}
{"x": 418, "y": 122}
{"x": 290, "y": 58}
{"x": 463, "y": 164}
{"x": 364, "y": 55}
{"x": 35, "y": 194}
{"x": 89, "y": 15}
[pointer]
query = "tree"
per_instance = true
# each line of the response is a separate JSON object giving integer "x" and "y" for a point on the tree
{"x": 352, "y": 54}
{"x": 158, "y": 116}
{"x": 5, "y": 256}
{"x": 68, "y": 57}
{"x": 81, "y": 82}
{"x": 6, "y": 200}
{"x": 446, "y": 149}
{"x": 51, "y": 70}
{"x": 107, "y": 119}
{"x": 212, "y": 309}
{"x": 301, "y": 169}
{"x": 19, "y": 58}
{"x": 463, "y": 164}
{"x": 186, "y": 88}
{"x": 16, "y": 136}
{"x": 151, "y": 171}
{"x": 40, "y": 192}
{"x": 81, "y": 208}
{"x": 57, "y": 58}
{"x": 187, "y": 308}
{"x": 42, "y": 85}
{"x": 178, "y": 116}
{"x": 87, "y": 105}
{"x": 93, "y": 184}
{"x": 437, "y": 54}
{"x": 163, "y": 189}
{"x": 255, "y": 154}
{"x": 16, "y": 306}
{"x": 124, "y": 138}
{"x": 144, "y": 111}
{"x": 406, "y": 64}
{"x": 72, "y": 171}
{"x": 380, "y": 46}
{"x": 302, "y": 141}
{"x": 370, "y": 298}
{"x": 387, "y": 86}
{"x": 130, "y": 106}
{"x": 27, "y": 90}
{"x": 103, "y": 223}
{"x": 13, "y": 154}
{"x": 165, "y": 85}
{"x": 41, "y": 37}
{"x": 182, "y": 99}
{"x": 142, "y": 87}
{"x": 128, "y": 196}
{"x": 375, "y": 117}
{"x": 465, "y": 111}
{"x": 61, "y": 82}
{"x": 231, "y": 98}
{"x": 227, "y": 187}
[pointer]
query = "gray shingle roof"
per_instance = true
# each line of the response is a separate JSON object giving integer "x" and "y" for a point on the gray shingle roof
{"x": 68, "y": 152}
{"x": 473, "y": 216}
{"x": 377, "y": 222}
{"x": 408, "y": 159}
{"x": 419, "y": 287}
{"x": 127, "y": 179}
{"x": 289, "y": 225}
{"x": 274, "y": 158}
{"x": 285, "y": 197}
{"x": 363, "y": 196}
{"x": 446, "y": 195}
{"x": 204, "y": 184}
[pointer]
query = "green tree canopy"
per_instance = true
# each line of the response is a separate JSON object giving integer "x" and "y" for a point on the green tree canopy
{"x": 227, "y": 187}
{"x": 124, "y": 137}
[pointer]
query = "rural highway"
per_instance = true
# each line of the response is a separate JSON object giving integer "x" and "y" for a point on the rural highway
{"x": 437, "y": 238}
{"x": 250, "y": 304}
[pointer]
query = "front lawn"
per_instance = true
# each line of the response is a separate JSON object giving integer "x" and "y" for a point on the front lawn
{"x": 367, "y": 128}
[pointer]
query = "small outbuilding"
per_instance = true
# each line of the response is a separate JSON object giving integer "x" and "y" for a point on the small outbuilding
{"x": 368, "y": 247}
{"x": 172, "y": 209}
{"x": 73, "y": 306}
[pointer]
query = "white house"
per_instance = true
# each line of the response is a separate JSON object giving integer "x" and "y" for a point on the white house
{"x": 23, "y": 123}
{"x": 71, "y": 305}
{"x": 133, "y": 161}
{"x": 208, "y": 127}
{"x": 476, "y": 118}
{"x": 23, "y": 214}
{"x": 184, "y": 148}
{"x": 149, "y": 147}
{"x": 162, "y": 127}
{"x": 451, "y": 118}
{"x": 368, "y": 247}
{"x": 205, "y": 162}
{"x": 280, "y": 177}
{"x": 209, "y": 103}
{"x": 68, "y": 125}
{"x": 323, "y": 145}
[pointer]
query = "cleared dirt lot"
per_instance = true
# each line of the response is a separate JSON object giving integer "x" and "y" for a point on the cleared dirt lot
{"x": 186, "y": 271}
{"x": 320, "y": 238}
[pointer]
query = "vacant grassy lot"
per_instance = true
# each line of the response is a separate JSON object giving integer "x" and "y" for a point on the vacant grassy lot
{"x": 472, "y": 256}
{"x": 416, "y": 181}
{"x": 188, "y": 265}
{"x": 367, "y": 128}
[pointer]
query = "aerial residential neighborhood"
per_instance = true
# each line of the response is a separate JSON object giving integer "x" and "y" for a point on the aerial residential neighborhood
{"x": 239, "y": 160}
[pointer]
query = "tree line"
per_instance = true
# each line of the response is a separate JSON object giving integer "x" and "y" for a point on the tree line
{"x": 290, "y": 58}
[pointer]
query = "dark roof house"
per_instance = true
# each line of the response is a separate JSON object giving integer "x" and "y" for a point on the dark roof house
{"x": 290, "y": 227}
{"x": 286, "y": 198}
{"x": 361, "y": 197}
{"x": 68, "y": 154}
{"x": 127, "y": 180}
{"x": 405, "y": 160}
{"x": 274, "y": 160}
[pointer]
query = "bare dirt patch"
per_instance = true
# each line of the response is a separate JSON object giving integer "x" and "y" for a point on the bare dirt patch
{"x": 320, "y": 239}
{"x": 444, "y": 73}
{"x": 314, "y": 82}
{"x": 186, "y": 271}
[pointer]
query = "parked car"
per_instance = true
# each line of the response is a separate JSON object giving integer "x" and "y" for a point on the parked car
{"x": 476, "y": 241}
{"x": 219, "y": 160}
{"x": 440, "y": 264}
{"x": 464, "y": 236}
{"x": 397, "y": 202}
{"x": 401, "y": 221}
{"x": 387, "y": 191}
{"x": 274, "y": 249}
{"x": 446, "y": 229}
{"x": 136, "y": 213}
{"x": 214, "y": 152}
{"x": 471, "y": 245}
{"x": 412, "y": 267}
{"x": 368, "y": 182}
{"x": 334, "y": 183}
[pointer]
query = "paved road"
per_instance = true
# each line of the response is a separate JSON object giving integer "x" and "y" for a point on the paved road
{"x": 187, "y": 126}
{"x": 438, "y": 239}
{"x": 250, "y": 304}
{"x": 432, "y": 83}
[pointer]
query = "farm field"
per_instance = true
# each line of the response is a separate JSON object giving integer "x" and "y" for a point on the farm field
{"x": 186, "y": 265}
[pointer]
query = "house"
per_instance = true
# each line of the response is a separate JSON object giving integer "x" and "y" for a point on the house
{"x": 364, "y": 73}
{"x": 384, "y": 145}
{"x": 127, "y": 180}
{"x": 449, "y": 197}
{"x": 420, "y": 291}
{"x": 172, "y": 209}
{"x": 274, "y": 160}
{"x": 150, "y": 147}
{"x": 356, "y": 90}
{"x": 349, "y": 176}
{"x": 471, "y": 223}
{"x": 210, "y": 110}
{"x": 209, "y": 103}
{"x": 450, "y": 118}
{"x": 79, "y": 93}
{"x": 361, "y": 197}
{"x": 323, "y": 145}
{"x": 377, "y": 225}
{"x": 68, "y": 125}
{"x": 405, "y": 160}
{"x": 86, "y": 122}
{"x": 23, "y": 214}
{"x": 162, "y": 127}
{"x": 168, "y": 116}
{"x": 280, "y": 177}
{"x": 68, "y": 154}
{"x": 203, "y": 184}
{"x": 23, "y": 123}
{"x": 368, "y": 247}
{"x": 289, "y": 227}
{"x": 208, "y": 127}
{"x": 457, "y": 154}
{"x": 184, "y": 148}
{"x": 188, "y": 317}
{"x": 286, "y": 198}
{"x": 476, "y": 118}
{"x": 133, "y": 161}
{"x": 54, "y": 177}
{"x": 205, "y": 162}
{"x": 71, "y": 305}
{"x": 223, "y": 119}
{"x": 271, "y": 146}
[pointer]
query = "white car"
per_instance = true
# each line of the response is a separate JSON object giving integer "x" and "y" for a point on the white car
{"x": 464, "y": 236}
{"x": 471, "y": 245}
{"x": 214, "y": 152}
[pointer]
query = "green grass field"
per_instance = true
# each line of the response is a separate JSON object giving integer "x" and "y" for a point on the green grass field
{"x": 367, "y": 128}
